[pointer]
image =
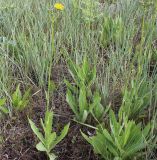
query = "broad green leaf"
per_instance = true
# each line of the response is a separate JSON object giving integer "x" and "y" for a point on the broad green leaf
{"x": 84, "y": 116}
{"x": 112, "y": 148}
{"x": 82, "y": 77}
{"x": 16, "y": 97}
{"x": 115, "y": 126}
{"x": 41, "y": 147}
{"x": 36, "y": 130}
{"x": 50, "y": 141}
{"x": 48, "y": 123}
{"x": 96, "y": 108}
{"x": 127, "y": 132}
{"x": 107, "y": 135}
{"x": 82, "y": 100}
{"x": 123, "y": 141}
{"x": 132, "y": 150}
{"x": 99, "y": 112}
{"x": 98, "y": 142}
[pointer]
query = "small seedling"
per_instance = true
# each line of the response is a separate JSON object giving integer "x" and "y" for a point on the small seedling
{"x": 50, "y": 139}
{"x": 19, "y": 101}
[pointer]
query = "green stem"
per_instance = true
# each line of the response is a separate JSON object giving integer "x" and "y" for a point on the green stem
{"x": 51, "y": 61}
{"x": 140, "y": 57}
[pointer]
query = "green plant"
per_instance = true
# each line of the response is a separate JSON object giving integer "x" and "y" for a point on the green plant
{"x": 80, "y": 97}
{"x": 82, "y": 74}
{"x": 135, "y": 99}
{"x": 50, "y": 139}
{"x": 3, "y": 108}
{"x": 88, "y": 9}
{"x": 78, "y": 103}
{"x": 96, "y": 108}
{"x": 77, "y": 94}
{"x": 112, "y": 31}
{"x": 122, "y": 141}
{"x": 19, "y": 101}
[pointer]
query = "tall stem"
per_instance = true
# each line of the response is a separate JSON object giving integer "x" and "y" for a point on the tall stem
{"x": 51, "y": 60}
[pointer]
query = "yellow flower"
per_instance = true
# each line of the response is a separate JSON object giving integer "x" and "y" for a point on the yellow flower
{"x": 59, "y": 6}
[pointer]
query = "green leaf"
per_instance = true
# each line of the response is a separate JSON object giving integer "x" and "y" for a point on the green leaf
{"x": 133, "y": 149}
{"x": 123, "y": 140}
{"x": 4, "y": 110}
{"x": 41, "y": 147}
{"x": 16, "y": 97}
{"x": 107, "y": 136}
{"x": 48, "y": 123}
{"x": 147, "y": 130}
{"x": 63, "y": 134}
{"x": 115, "y": 126}
{"x": 2, "y": 101}
{"x": 98, "y": 142}
{"x": 52, "y": 156}
{"x": 19, "y": 102}
{"x": 92, "y": 76}
{"x": 73, "y": 69}
{"x": 72, "y": 102}
{"x": 82, "y": 100}
{"x": 84, "y": 116}
{"x": 42, "y": 124}
{"x": 127, "y": 133}
{"x": 85, "y": 66}
{"x": 97, "y": 109}
{"x": 36, "y": 131}
{"x": 50, "y": 141}
{"x": 70, "y": 87}
{"x": 86, "y": 138}
{"x": 26, "y": 95}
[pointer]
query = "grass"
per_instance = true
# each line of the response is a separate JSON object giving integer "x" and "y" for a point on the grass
{"x": 36, "y": 42}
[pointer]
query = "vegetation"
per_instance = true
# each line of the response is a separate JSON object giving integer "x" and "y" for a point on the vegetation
{"x": 48, "y": 142}
{"x": 124, "y": 141}
{"x": 88, "y": 63}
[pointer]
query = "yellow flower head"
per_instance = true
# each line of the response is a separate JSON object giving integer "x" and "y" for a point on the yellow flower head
{"x": 59, "y": 6}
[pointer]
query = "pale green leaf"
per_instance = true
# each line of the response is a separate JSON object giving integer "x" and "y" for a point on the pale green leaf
{"x": 41, "y": 147}
{"x": 82, "y": 100}
{"x": 52, "y": 156}
{"x": 72, "y": 102}
{"x": 36, "y": 131}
